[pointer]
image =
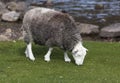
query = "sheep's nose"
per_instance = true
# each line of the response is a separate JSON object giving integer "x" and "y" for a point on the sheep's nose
{"x": 79, "y": 62}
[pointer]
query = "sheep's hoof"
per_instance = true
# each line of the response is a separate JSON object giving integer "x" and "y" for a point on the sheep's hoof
{"x": 47, "y": 59}
{"x": 32, "y": 58}
{"x": 68, "y": 60}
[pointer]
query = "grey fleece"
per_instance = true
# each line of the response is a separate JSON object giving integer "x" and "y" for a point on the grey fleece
{"x": 53, "y": 28}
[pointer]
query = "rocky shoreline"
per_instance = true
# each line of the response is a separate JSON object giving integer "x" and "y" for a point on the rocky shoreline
{"x": 11, "y": 15}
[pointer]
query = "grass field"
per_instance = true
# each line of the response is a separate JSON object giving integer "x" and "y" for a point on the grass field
{"x": 101, "y": 65}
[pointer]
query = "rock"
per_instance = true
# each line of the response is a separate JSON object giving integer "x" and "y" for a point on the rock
{"x": 3, "y": 9}
{"x": 31, "y": 7}
{"x": 99, "y": 6}
{"x": 2, "y": 5}
{"x": 111, "y": 31}
{"x": 10, "y": 31}
{"x": 40, "y": 4}
{"x": 11, "y": 16}
{"x": 88, "y": 29}
{"x": 22, "y": 6}
{"x": 11, "y": 6}
{"x": 6, "y": 1}
{"x": 16, "y": 6}
{"x": 48, "y": 3}
{"x": 5, "y": 36}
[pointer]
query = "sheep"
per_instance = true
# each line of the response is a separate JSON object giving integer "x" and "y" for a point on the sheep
{"x": 51, "y": 28}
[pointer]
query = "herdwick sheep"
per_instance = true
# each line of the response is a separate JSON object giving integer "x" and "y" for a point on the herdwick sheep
{"x": 48, "y": 27}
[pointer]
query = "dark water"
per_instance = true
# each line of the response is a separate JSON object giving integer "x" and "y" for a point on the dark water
{"x": 84, "y": 10}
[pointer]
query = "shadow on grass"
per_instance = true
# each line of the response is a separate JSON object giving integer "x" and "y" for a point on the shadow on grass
{"x": 57, "y": 53}
{"x": 39, "y": 51}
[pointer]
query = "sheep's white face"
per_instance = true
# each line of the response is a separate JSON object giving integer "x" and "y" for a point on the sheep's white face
{"x": 79, "y": 53}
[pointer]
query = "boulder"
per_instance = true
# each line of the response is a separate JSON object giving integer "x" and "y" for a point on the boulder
{"x": 2, "y": 5}
{"x": 5, "y": 36}
{"x": 17, "y": 6}
{"x": 88, "y": 29}
{"x": 3, "y": 8}
{"x": 11, "y": 16}
{"x": 3, "y": 11}
{"x": 22, "y": 6}
{"x": 111, "y": 31}
{"x": 99, "y": 6}
{"x": 10, "y": 31}
{"x": 12, "y": 6}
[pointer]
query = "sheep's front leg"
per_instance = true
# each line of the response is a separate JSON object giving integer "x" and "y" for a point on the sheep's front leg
{"x": 29, "y": 52}
{"x": 66, "y": 58}
{"x": 26, "y": 53}
{"x": 47, "y": 56}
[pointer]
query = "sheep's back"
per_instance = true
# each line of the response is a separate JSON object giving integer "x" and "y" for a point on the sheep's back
{"x": 43, "y": 27}
{"x": 49, "y": 27}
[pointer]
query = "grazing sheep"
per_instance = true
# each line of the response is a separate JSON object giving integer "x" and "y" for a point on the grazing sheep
{"x": 53, "y": 28}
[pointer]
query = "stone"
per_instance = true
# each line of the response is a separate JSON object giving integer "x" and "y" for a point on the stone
{"x": 8, "y": 32}
{"x": 11, "y": 16}
{"x": 3, "y": 8}
{"x": 11, "y": 31}
{"x": 21, "y": 6}
{"x": 111, "y": 31}
{"x": 48, "y": 3}
{"x": 17, "y": 6}
{"x": 2, "y": 5}
{"x": 99, "y": 6}
{"x": 88, "y": 29}
{"x": 3, "y": 11}
{"x": 6, "y": 36}
{"x": 11, "y": 6}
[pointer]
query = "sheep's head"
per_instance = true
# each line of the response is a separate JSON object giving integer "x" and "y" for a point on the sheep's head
{"x": 79, "y": 53}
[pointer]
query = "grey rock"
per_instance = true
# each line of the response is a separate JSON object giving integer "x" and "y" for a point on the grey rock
{"x": 2, "y": 8}
{"x": 5, "y": 36}
{"x": 2, "y": 5}
{"x": 11, "y": 6}
{"x": 17, "y": 6}
{"x": 31, "y": 7}
{"x": 11, "y": 16}
{"x": 99, "y": 6}
{"x": 111, "y": 31}
{"x": 88, "y": 28}
{"x": 3, "y": 11}
{"x": 10, "y": 31}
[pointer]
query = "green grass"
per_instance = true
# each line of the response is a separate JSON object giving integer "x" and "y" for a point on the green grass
{"x": 101, "y": 65}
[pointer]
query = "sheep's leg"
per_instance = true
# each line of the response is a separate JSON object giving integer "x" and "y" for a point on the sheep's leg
{"x": 29, "y": 52}
{"x": 66, "y": 58}
{"x": 47, "y": 56}
{"x": 26, "y": 53}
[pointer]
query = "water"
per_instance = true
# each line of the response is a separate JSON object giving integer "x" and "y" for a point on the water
{"x": 84, "y": 10}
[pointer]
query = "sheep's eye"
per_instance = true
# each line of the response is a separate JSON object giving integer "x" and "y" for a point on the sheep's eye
{"x": 75, "y": 51}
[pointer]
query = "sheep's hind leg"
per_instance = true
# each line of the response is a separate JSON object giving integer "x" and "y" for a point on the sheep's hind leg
{"x": 29, "y": 52}
{"x": 47, "y": 56}
{"x": 66, "y": 58}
